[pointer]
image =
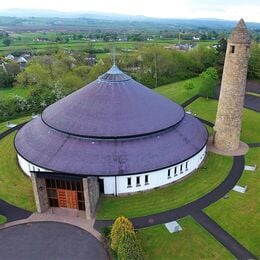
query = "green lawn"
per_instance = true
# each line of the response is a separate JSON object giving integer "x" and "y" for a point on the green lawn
{"x": 2, "y": 219}
{"x": 193, "y": 242}
{"x": 177, "y": 92}
{"x": 15, "y": 188}
{"x": 170, "y": 197}
{"x": 207, "y": 109}
{"x": 19, "y": 120}
{"x": 239, "y": 215}
{"x": 12, "y": 91}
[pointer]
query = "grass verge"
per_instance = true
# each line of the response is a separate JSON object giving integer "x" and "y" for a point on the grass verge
{"x": 193, "y": 242}
{"x": 15, "y": 187}
{"x": 170, "y": 197}
{"x": 2, "y": 219}
{"x": 239, "y": 215}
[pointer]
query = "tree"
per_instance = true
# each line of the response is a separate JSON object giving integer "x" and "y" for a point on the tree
{"x": 209, "y": 79}
{"x": 119, "y": 228}
{"x": 6, "y": 80}
{"x": 7, "y": 41}
{"x": 254, "y": 61}
{"x": 129, "y": 247}
{"x": 34, "y": 74}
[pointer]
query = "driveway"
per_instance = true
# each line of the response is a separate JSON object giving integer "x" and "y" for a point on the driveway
{"x": 49, "y": 240}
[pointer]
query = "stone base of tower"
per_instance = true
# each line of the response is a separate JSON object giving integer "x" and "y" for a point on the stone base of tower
{"x": 242, "y": 149}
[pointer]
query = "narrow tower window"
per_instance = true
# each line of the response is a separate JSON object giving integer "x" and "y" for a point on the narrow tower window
{"x": 232, "y": 48}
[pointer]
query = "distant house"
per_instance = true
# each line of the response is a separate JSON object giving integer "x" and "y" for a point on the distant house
{"x": 41, "y": 39}
{"x": 10, "y": 57}
{"x": 196, "y": 38}
{"x": 91, "y": 59}
{"x": 180, "y": 46}
{"x": 21, "y": 61}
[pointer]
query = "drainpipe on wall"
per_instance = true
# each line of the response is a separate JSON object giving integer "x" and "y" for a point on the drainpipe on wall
{"x": 115, "y": 187}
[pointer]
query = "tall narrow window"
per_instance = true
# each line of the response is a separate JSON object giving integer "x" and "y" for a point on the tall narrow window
{"x": 181, "y": 168}
{"x": 175, "y": 171}
{"x": 169, "y": 173}
{"x": 186, "y": 165}
{"x": 138, "y": 181}
{"x": 129, "y": 182}
{"x": 146, "y": 179}
{"x": 232, "y": 48}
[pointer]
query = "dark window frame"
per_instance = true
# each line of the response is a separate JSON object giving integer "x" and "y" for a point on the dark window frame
{"x": 129, "y": 182}
{"x": 138, "y": 181}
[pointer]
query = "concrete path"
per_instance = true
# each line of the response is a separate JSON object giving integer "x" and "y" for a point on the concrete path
{"x": 49, "y": 240}
{"x": 63, "y": 215}
{"x": 222, "y": 236}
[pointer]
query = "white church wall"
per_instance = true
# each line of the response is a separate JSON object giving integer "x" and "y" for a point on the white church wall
{"x": 155, "y": 179}
{"x": 27, "y": 166}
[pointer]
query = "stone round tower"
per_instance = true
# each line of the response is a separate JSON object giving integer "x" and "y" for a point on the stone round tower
{"x": 231, "y": 100}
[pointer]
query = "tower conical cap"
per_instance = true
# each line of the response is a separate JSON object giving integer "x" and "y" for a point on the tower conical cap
{"x": 240, "y": 34}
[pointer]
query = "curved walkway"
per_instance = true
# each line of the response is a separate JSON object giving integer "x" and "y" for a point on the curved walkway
{"x": 49, "y": 240}
{"x": 203, "y": 202}
{"x": 194, "y": 208}
{"x": 11, "y": 212}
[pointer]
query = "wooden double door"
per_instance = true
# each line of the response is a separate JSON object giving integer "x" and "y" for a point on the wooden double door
{"x": 67, "y": 198}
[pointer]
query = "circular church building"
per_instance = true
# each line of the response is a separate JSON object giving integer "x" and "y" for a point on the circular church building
{"x": 116, "y": 134}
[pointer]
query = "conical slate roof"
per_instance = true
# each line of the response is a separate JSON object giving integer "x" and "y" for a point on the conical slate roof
{"x": 114, "y": 105}
{"x": 240, "y": 34}
{"x": 113, "y": 126}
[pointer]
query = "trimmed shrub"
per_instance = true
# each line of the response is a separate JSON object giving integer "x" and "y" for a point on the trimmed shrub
{"x": 119, "y": 228}
{"x": 129, "y": 247}
{"x": 188, "y": 85}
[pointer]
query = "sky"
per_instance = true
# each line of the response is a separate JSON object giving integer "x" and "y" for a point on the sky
{"x": 222, "y": 9}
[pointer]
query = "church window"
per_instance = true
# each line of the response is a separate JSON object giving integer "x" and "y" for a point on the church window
{"x": 169, "y": 173}
{"x": 129, "y": 182}
{"x": 146, "y": 179}
{"x": 138, "y": 181}
{"x": 175, "y": 171}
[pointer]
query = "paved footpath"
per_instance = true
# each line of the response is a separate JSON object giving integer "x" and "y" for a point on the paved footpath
{"x": 203, "y": 202}
{"x": 11, "y": 212}
{"x": 222, "y": 236}
{"x": 194, "y": 208}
